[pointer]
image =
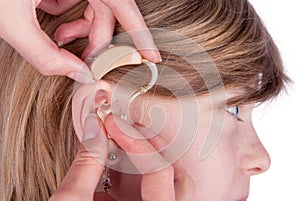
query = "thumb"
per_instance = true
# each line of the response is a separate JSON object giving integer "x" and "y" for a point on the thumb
{"x": 21, "y": 29}
{"x": 85, "y": 172}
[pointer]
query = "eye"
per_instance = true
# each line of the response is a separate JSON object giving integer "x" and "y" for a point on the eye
{"x": 234, "y": 111}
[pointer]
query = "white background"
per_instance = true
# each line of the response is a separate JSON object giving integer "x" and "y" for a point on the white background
{"x": 278, "y": 123}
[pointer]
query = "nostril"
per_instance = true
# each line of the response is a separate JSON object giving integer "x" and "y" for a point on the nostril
{"x": 258, "y": 163}
{"x": 256, "y": 170}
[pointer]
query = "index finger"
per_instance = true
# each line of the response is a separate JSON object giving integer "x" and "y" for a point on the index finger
{"x": 152, "y": 179}
{"x": 35, "y": 46}
{"x": 132, "y": 21}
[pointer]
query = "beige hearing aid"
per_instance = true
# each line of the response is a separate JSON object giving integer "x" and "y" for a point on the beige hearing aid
{"x": 117, "y": 56}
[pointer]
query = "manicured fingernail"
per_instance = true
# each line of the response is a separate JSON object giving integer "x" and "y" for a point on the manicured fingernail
{"x": 156, "y": 56}
{"x": 81, "y": 77}
{"x": 91, "y": 127}
{"x": 159, "y": 56}
{"x": 65, "y": 41}
{"x": 60, "y": 43}
{"x": 84, "y": 76}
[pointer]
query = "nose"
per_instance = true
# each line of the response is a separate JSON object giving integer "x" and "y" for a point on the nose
{"x": 255, "y": 159}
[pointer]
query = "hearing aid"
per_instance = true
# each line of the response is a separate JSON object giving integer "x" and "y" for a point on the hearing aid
{"x": 114, "y": 57}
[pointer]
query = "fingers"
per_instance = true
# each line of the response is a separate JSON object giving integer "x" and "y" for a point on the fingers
{"x": 129, "y": 16}
{"x": 48, "y": 58}
{"x": 99, "y": 24}
{"x": 144, "y": 156}
{"x": 80, "y": 28}
{"x": 84, "y": 174}
{"x": 169, "y": 182}
{"x": 35, "y": 46}
{"x": 156, "y": 185}
{"x": 102, "y": 27}
{"x": 70, "y": 31}
{"x": 57, "y": 7}
{"x": 184, "y": 184}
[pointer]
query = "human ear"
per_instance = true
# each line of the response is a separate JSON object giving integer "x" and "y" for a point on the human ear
{"x": 88, "y": 99}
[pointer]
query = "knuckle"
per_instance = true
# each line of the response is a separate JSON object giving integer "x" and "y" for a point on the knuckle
{"x": 49, "y": 67}
{"x": 90, "y": 155}
{"x": 47, "y": 71}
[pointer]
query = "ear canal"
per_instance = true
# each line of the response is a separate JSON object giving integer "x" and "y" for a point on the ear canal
{"x": 102, "y": 104}
{"x": 103, "y": 110}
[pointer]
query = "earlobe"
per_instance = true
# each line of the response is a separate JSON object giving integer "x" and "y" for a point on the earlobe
{"x": 87, "y": 100}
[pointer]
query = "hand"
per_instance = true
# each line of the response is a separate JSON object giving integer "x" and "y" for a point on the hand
{"x": 85, "y": 172}
{"x": 99, "y": 23}
{"x": 161, "y": 181}
{"x": 20, "y": 28}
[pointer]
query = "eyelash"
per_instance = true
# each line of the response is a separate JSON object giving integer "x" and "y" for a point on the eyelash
{"x": 234, "y": 111}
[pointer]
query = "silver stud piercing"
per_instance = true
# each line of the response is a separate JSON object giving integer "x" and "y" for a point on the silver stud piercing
{"x": 112, "y": 156}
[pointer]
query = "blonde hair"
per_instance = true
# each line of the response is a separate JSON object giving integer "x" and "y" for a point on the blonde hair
{"x": 37, "y": 139}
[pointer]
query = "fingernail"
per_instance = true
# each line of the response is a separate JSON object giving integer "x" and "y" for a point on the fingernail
{"x": 65, "y": 41}
{"x": 159, "y": 56}
{"x": 60, "y": 43}
{"x": 83, "y": 76}
{"x": 156, "y": 55}
{"x": 91, "y": 127}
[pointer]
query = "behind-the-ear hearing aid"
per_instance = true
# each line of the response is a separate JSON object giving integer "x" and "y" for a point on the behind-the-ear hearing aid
{"x": 84, "y": 99}
{"x": 117, "y": 56}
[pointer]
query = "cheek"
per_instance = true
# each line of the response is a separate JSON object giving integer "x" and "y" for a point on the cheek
{"x": 216, "y": 174}
{"x": 228, "y": 146}
{"x": 163, "y": 119}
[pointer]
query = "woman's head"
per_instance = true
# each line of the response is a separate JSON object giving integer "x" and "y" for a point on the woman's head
{"x": 36, "y": 110}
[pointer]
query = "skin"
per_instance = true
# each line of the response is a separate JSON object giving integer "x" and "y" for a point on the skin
{"x": 224, "y": 175}
{"x": 83, "y": 176}
{"x": 97, "y": 24}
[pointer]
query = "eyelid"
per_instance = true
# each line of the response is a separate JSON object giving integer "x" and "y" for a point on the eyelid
{"x": 234, "y": 110}
{"x": 234, "y": 115}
